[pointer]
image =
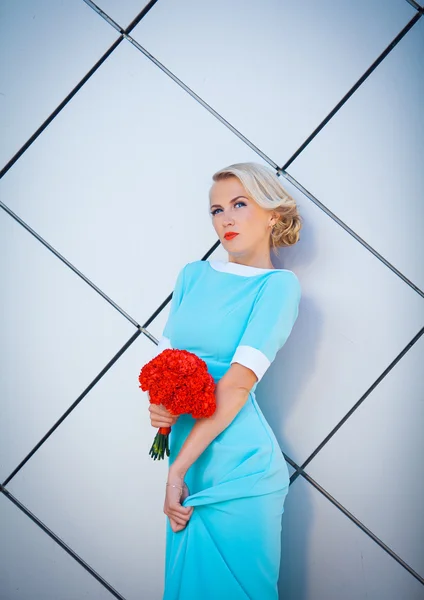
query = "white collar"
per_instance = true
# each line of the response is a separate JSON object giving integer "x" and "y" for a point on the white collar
{"x": 238, "y": 269}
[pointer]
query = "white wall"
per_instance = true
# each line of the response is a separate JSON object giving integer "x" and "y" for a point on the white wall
{"x": 98, "y": 214}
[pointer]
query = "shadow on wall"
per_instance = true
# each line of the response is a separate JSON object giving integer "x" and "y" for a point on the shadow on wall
{"x": 277, "y": 397}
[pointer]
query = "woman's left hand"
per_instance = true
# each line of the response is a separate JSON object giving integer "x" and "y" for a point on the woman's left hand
{"x": 178, "y": 515}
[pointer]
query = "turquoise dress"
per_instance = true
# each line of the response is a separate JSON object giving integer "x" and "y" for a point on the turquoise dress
{"x": 230, "y": 549}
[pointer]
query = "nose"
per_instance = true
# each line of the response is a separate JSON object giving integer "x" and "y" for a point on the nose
{"x": 228, "y": 221}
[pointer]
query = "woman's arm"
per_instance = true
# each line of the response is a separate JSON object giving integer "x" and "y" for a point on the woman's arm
{"x": 231, "y": 394}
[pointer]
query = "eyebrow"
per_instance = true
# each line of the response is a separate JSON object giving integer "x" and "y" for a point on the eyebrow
{"x": 231, "y": 201}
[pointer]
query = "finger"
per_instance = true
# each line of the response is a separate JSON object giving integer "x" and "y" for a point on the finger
{"x": 157, "y": 414}
{"x": 173, "y": 524}
{"x": 160, "y": 422}
{"x": 174, "y": 504}
{"x": 177, "y": 520}
{"x": 162, "y": 419}
{"x": 154, "y": 409}
{"x": 179, "y": 510}
{"x": 179, "y": 515}
{"x": 160, "y": 409}
{"x": 183, "y": 511}
{"x": 175, "y": 527}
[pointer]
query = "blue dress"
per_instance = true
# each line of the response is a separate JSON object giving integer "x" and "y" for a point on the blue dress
{"x": 231, "y": 547}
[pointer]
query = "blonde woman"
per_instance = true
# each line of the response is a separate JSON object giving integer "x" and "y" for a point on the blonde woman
{"x": 228, "y": 478}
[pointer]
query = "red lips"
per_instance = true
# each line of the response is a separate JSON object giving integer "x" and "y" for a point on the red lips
{"x": 230, "y": 235}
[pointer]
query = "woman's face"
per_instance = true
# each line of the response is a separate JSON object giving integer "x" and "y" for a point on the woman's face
{"x": 232, "y": 210}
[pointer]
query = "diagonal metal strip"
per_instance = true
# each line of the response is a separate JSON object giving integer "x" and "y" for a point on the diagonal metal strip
{"x": 415, "y": 5}
{"x": 79, "y": 85}
{"x": 350, "y": 231}
{"x": 353, "y": 89}
{"x": 361, "y": 400}
{"x": 73, "y": 406}
{"x": 60, "y": 542}
{"x": 345, "y": 511}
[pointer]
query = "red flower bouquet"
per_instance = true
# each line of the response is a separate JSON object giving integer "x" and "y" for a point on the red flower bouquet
{"x": 180, "y": 381}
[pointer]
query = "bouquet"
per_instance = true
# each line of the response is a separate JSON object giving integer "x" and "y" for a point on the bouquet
{"x": 180, "y": 381}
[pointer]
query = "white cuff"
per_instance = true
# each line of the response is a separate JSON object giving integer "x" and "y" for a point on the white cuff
{"x": 253, "y": 359}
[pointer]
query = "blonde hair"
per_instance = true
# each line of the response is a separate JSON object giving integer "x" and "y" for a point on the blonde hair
{"x": 264, "y": 187}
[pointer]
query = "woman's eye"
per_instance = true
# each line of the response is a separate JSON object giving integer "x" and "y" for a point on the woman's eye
{"x": 216, "y": 209}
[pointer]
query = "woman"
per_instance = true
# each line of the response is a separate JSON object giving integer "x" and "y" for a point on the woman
{"x": 228, "y": 479}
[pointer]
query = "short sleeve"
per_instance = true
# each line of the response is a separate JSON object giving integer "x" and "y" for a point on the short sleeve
{"x": 269, "y": 325}
{"x": 177, "y": 296}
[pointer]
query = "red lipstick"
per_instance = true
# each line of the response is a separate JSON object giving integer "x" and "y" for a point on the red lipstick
{"x": 230, "y": 235}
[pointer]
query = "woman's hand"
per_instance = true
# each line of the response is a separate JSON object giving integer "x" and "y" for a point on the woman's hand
{"x": 160, "y": 416}
{"x": 178, "y": 515}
